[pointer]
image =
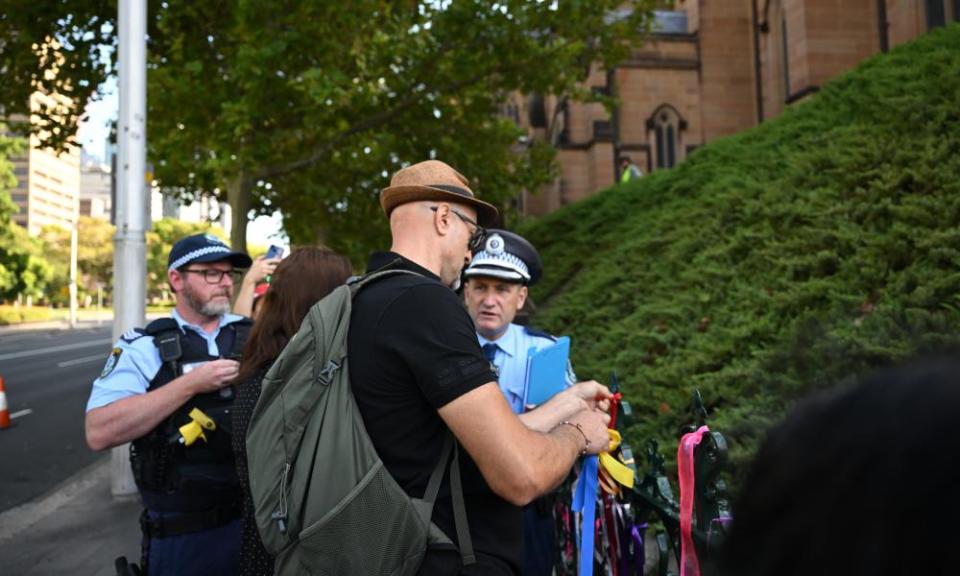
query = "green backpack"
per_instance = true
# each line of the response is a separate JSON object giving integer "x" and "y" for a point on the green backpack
{"x": 323, "y": 501}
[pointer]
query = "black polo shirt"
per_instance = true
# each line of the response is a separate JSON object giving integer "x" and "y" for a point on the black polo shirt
{"x": 413, "y": 349}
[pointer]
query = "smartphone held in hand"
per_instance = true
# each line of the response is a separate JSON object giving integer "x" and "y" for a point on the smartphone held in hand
{"x": 274, "y": 252}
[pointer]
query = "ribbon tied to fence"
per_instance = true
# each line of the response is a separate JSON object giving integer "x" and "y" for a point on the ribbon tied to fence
{"x": 689, "y": 564}
{"x": 606, "y": 471}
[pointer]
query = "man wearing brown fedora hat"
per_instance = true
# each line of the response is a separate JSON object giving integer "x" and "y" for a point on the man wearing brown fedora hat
{"x": 417, "y": 371}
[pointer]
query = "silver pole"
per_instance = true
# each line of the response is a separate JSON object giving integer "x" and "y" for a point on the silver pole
{"x": 129, "y": 255}
{"x": 73, "y": 270}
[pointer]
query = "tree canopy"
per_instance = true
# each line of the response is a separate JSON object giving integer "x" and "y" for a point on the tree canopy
{"x": 312, "y": 108}
{"x": 58, "y": 47}
{"x": 308, "y": 107}
{"x": 94, "y": 257}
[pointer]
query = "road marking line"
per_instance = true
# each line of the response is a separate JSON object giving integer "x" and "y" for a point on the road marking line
{"x": 20, "y": 413}
{"x": 61, "y": 348}
{"x": 83, "y": 360}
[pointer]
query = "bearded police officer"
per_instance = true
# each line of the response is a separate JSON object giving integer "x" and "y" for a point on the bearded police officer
{"x": 166, "y": 389}
{"x": 495, "y": 289}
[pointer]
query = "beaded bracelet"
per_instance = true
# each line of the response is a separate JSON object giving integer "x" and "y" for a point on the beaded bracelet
{"x": 580, "y": 429}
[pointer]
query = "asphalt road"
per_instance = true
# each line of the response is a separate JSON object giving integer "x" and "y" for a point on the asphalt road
{"x": 47, "y": 375}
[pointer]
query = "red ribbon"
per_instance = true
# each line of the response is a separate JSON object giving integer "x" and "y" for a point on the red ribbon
{"x": 614, "y": 405}
{"x": 689, "y": 565}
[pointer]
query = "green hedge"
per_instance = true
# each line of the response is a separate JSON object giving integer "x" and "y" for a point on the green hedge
{"x": 793, "y": 256}
{"x": 19, "y": 314}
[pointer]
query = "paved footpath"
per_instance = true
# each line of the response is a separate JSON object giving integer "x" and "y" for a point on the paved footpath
{"x": 78, "y": 528}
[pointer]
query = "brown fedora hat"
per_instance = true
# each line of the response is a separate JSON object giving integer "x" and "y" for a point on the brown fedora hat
{"x": 434, "y": 180}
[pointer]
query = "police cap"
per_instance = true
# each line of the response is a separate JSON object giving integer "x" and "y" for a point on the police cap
{"x": 507, "y": 256}
{"x": 204, "y": 248}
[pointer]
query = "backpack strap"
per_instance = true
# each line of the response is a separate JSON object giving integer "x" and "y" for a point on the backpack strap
{"x": 425, "y": 506}
{"x": 459, "y": 509}
{"x": 357, "y": 283}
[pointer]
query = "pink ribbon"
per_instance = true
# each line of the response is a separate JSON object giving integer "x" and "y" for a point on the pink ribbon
{"x": 689, "y": 565}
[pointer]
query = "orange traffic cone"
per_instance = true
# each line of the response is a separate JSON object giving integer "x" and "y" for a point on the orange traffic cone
{"x": 4, "y": 412}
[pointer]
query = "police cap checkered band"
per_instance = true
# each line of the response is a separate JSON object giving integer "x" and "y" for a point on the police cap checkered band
{"x": 204, "y": 248}
{"x": 504, "y": 265}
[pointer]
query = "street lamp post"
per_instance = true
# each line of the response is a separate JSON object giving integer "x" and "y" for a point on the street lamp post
{"x": 129, "y": 255}
{"x": 73, "y": 271}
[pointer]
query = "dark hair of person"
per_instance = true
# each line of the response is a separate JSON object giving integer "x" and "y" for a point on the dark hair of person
{"x": 859, "y": 480}
{"x": 301, "y": 280}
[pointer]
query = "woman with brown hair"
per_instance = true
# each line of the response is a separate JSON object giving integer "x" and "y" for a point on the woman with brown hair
{"x": 303, "y": 278}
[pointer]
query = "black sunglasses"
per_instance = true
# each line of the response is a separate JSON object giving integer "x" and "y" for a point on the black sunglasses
{"x": 479, "y": 234}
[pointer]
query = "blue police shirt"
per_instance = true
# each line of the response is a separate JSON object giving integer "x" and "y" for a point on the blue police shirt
{"x": 135, "y": 361}
{"x": 511, "y": 361}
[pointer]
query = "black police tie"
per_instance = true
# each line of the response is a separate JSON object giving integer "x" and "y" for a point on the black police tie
{"x": 490, "y": 351}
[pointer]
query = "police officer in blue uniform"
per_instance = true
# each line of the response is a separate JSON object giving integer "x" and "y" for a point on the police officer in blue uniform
{"x": 495, "y": 289}
{"x": 167, "y": 390}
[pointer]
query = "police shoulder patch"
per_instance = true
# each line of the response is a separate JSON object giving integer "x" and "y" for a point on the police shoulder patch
{"x": 111, "y": 362}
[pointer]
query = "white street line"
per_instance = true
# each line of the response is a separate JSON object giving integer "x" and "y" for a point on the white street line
{"x": 61, "y": 348}
{"x": 83, "y": 360}
{"x": 20, "y": 413}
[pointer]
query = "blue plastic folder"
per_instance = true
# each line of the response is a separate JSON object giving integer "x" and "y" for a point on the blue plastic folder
{"x": 547, "y": 372}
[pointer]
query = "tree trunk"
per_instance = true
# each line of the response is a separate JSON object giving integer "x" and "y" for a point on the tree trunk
{"x": 239, "y": 196}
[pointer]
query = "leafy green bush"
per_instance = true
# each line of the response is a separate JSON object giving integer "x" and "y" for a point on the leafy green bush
{"x": 19, "y": 314}
{"x": 793, "y": 256}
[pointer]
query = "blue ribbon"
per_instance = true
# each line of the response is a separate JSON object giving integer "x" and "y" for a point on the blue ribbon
{"x": 585, "y": 502}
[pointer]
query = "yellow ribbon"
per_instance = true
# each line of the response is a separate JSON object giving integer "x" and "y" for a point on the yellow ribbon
{"x": 613, "y": 467}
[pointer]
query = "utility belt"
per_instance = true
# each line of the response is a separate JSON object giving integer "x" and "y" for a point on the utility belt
{"x": 188, "y": 523}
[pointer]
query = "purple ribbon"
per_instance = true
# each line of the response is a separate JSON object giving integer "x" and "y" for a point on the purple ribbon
{"x": 639, "y": 551}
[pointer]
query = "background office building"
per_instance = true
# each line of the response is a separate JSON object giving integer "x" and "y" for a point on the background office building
{"x": 48, "y": 184}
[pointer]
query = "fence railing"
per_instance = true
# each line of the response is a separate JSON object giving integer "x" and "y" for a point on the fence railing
{"x": 627, "y": 518}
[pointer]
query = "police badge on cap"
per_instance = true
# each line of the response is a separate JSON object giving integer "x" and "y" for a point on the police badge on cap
{"x": 507, "y": 256}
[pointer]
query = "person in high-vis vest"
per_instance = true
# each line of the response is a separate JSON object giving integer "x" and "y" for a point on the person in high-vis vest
{"x": 166, "y": 390}
{"x": 628, "y": 170}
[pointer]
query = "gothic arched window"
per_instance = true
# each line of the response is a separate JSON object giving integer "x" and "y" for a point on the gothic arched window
{"x": 665, "y": 127}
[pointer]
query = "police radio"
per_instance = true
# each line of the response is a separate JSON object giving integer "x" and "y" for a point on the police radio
{"x": 170, "y": 351}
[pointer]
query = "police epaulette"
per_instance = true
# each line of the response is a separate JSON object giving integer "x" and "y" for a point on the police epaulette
{"x": 161, "y": 325}
{"x": 540, "y": 333}
{"x": 132, "y": 334}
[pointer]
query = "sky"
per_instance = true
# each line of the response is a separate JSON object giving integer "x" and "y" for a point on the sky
{"x": 94, "y": 135}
